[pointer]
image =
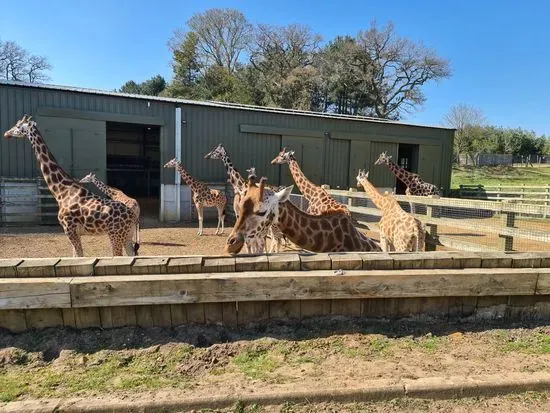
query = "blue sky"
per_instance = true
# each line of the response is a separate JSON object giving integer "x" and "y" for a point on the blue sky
{"x": 498, "y": 50}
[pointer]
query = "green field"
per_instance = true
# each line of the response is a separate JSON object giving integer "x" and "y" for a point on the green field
{"x": 505, "y": 175}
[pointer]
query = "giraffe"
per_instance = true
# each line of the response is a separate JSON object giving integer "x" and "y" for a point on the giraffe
{"x": 203, "y": 196}
{"x": 239, "y": 186}
{"x": 319, "y": 201}
{"x": 117, "y": 195}
{"x": 399, "y": 231}
{"x": 415, "y": 185}
{"x": 260, "y": 207}
{"x": 80, "y": 211}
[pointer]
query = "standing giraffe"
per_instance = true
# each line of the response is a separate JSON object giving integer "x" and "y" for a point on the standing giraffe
{"x": 203, "y": 196}
{"x": 415, "y": 185}
{"x": 117, "y": 195}
{"x": 80, "y": 211}
{"x": 399, "y": 231}
{"x": 260, "y": 207}
{"x": 319, "y": 201}
{"x": 239, "y": 186}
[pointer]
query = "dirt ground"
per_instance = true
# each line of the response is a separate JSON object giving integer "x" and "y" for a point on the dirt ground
{"x": 318, "y": 353}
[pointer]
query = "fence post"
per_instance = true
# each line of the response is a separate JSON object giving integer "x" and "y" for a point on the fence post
{"x": 351, "y": 201}
{"x": 432, "y": 212}
{"x": 547, "y": 197}
{"x": 499, "y": 190}
{"x": 508, "y": 221}
{"x": 460, "y": 191}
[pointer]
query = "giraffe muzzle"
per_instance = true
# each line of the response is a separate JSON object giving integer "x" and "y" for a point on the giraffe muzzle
{"x": 234, "y": 244}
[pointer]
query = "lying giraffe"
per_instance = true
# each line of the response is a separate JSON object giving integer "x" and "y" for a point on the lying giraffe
{"x": 117, "y": 195}
{"x": 80, "y": 211}
{"x": 319, "y": 200}
{"x": 399, "y": 231}
{"x": 260, "y": 207}
{"x": 203, "y": 196}
{"x": 239, "y": 186}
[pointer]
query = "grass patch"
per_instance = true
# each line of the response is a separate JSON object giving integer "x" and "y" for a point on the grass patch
{"x": 256, "y": 364}
{"x": 504, "y": 175}
{"x": 428, "y": 343}
{"x": 538, "y": 343}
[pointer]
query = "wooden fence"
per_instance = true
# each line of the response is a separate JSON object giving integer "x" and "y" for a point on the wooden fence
{"x": 468, "y": 214}
{"x": 172, "y": 291}
{"x": 517, "y": 193}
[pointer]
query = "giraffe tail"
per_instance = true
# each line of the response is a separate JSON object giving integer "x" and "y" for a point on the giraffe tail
{"x": 136, "y": 244}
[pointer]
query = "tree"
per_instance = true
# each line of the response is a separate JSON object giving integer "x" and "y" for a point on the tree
{"x": 186, "y": 66}
{"x": 468, "y": 122}
{"x": 393, "y": 70}
{"x": 284, "y": 59}
{"x": 151, "y": 87}
{"x": 222, "y": 36}
{"x": 18, "y": 64}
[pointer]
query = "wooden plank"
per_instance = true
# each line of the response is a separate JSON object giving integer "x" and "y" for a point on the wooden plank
{"x": 283, "y": 262}
{"x": 435, "y": 306}
{"x": 230, "y": 312}
{"x": 114, "y": 266}
{"x": 118, "y": 316}
{"x": 252, "y": 312}
{"x": 161, "y": 315}
{"x": 437, "y": 260}
{"x": 37, "y": 267}
{"x": 144, "y": 316}
{"x": 409, "y": 307}
{"x": 75, "y": 267}
{"x": 150, "y": 265}
{"x": 346, "y": 261}
{"x": 525, "y": 260}
{"x": 251, "y": 263}
{"x": 377, "y": 308}
{"x": 464, "y": 259}
{"x": 496, "y": 260}
{"x": 44, "y": 317}
{"x": 461, "y": 306}
{"x": 543, "y": 282}
{"x": 213, "y": 313}
{"x": 195, "y": 313}
{"x": 216, "y": 264}
{"x": 406, "y": 260}
{"x": 377, "y": 261}
{"x": 178, "y": 313}
{"x": 250, "y": 286}
{"x": 350, "y": 307}
{"x": 87, "y": 317}
{"x": 284, "y": 309}
{"x": 320, "y": 261}
{"x": 545, "y": 259}
{"x": 69, "y": 318}
{"x": 313, "y": 308}
{"x": 13, "y": 320}
{"x": 184, "y": 265}
{"x": 18, "y": 293}
{"x": 8, "y": 267}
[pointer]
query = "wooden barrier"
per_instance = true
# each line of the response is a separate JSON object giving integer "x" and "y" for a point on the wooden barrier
{"x": 171, "y": 291}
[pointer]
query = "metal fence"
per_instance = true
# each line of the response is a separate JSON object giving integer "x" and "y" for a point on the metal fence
{"x": 26, "y": 202}
{"x": 466, "y": 224}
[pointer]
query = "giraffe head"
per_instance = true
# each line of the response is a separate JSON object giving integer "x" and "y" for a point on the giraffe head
{"x": 285, "y": 156}
{"x": 362, "y": 176}
{"x": 22, "y": 128}
{"x": 251, "y": 172}
{"x": 88, "y": 178}
{"x": 173, "y": 163}
{"x": 217, "y": 153}
{"x": 259, "y": 209}
{"x": 384, "y": 158}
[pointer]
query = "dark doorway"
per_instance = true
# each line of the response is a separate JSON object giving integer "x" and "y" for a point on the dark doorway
{"x": 407, "y": 158}
{"x": 133, "y": 163}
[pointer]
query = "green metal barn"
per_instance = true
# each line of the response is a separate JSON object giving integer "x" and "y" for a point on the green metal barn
{"x": 126, "y": 139}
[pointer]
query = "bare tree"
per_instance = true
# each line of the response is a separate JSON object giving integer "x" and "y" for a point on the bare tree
{"x": 468, "y": 122}
{"x": 17, "y": 64}
{"x": 223, "y": 35}
{"x": 394, "y": 69}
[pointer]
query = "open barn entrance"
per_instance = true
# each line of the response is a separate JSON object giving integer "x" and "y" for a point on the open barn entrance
{"x": 407, "y": 158}
{"x": 133, "y": 163}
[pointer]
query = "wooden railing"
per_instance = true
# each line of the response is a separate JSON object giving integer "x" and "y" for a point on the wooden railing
{"x": 534, "y": 194}
{"x": 453, "y": 212}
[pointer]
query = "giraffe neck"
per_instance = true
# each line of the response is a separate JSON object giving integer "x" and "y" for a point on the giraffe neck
{"x": 57, "y": 179}
{"x": 377, "y": 198}
{"x": 106, "y": 189}
{"x": 235, "y": 179}
{"x": 324, "y": 233}
{"x": 401, "y": 173}
{"x": 188, "y": 179}
{"x": 303, "y": 184}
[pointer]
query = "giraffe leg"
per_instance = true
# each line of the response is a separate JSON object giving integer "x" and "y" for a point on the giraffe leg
{"x": 116, "y": 244}
{"x": 221, "y": 216}
{"x": 75, "y": 241}
{"x": 384, "y": 243}
{"x": 199, "y": 212}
